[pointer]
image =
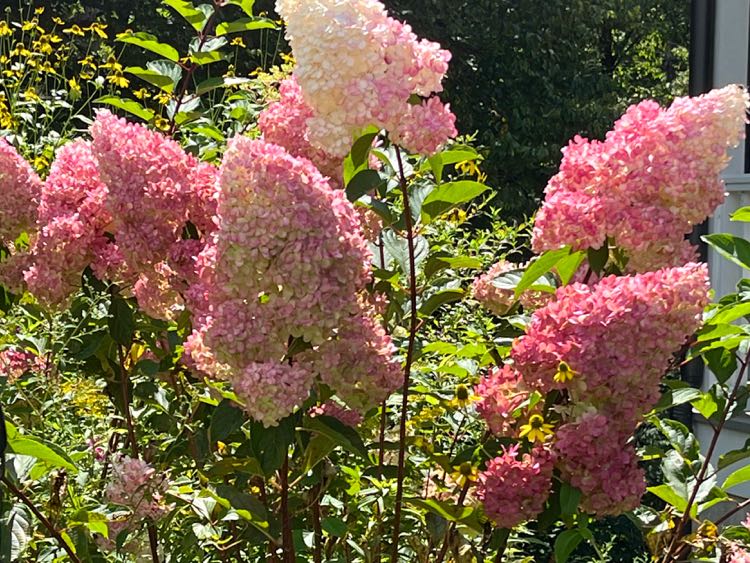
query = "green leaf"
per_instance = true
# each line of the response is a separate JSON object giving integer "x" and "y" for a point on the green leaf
{"x": 246, "y": 5}
{"x": 208, "y": 57}
{"x": 598, "y": 258}
{"x": 155, "y": 77}
{"x": 448, "y": 510}
{"x": 271, "y": 445}
{"x": 150, "y": 43}
{"x": 225, "y": 420}
{"x": 731, "y": 247}
{"x": 398, "y": 248}
{"x": 246, "y": 505}
{"x": 706, "y": 405}
{"x": 742, "y": 475}
{"x": 38, "y": 449}
{"x": 334, "y": 526}
{"x": 673, "y": 397}
{"x": 540, "y": 267}
{"x": 15, "y": 533}
{"x": 669, "y": 495}
{"x": 565, "y": 544}
{"x": 722, "y": 363}
{"x": 363, "y": 182}
{"x": 436, "y": 164}
{"x": 341, "y": 434}
{"x": 742, "y": 214}
{"x": 120, "y": 321}
{"x": 568, "y": 266}
{"x": 244, "y": 24}
{"x": 187, "y": 10}
{"x": 317, "y": 450}
{"x": 733, "y": 456}
{"x": 437, "y": 263}
{"x": 440, "y": 298}
{"x": 448, "y": 196}
{"x": 569, "y": 498}
{"x": 130, "y": 106}
{"x": 730, "y": 313}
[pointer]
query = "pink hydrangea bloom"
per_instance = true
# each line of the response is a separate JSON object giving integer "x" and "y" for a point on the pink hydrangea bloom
{"x": 501, "y": 393}
{"x": 72, "y": 221}
{"x": 284, "y": 123}
{"x": 137, "y": 486}
{"x": 594, "y": 456}
{"x": 656, "y": 174}
{"x": 618, "y": 336}
{"x": 15, "y": 362}
{"x": 738, "y": 554}
{"x": 20, "y": 187}
{"x": 358, "y": 363}
{"x": 426, "y": 128}
{"x": 287, "y": 260}
{"x": 153, "y": 185}
{"x": 342, "y": 414}
{"x": 358, "y": 67}
{"x": 515, "y": 489}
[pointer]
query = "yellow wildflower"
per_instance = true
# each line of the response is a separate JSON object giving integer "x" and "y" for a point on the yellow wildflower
{"x": 464, "y": 473}
{"x": 163, "y": 98}
{"x": 85, "y": 75}
{"x": 118, "y": 79}
{"x": 463, "y": 397}
{"x": 98, "y": 29}
{"x": 31, "y": 95}
{"x": 58, "y": 21}
{"x": 564, "y": 373}
{"x": 161, "y": 123}
{"x": 88, "y": 62}
{"x": 29, "y": 25}
{"x": 5, "y": 29}
{"x": 40, "y": 163}
{"x": 112, "y": 63}
{"x": 536, "y": 430}
{"x": 75, "y": 87}
{"x": 238, "y": 42}
{"x": 141, "y": 94}
{"x": 39, "y": 11}
{"x": 75, "y": 29}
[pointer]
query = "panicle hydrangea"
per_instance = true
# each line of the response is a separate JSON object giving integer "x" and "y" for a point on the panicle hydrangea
{"x": 284, "y": 123}
{"x": 358, "y": 67}
{"x": 618, "y": 336}
{"x": 656, "y": 174}
{"x": 289, "y": 255}
{"x": 15, "y": 362}
{"x": 594, "y": 456}
{"x": 501, "y": 392}
{"x": 287, "y": 260}
{"x": 515, "y": 489}
{"x": 20, "y": 187}
{"x": 358, "y": 363}
{"x": 738, "y": 554}
{"x": 152, "y": 186}
{"x": 500, "y": 298}
{"x": 71, "y": 220}
{"x": 341, "y": 413}
{"x": 137, "y": 486}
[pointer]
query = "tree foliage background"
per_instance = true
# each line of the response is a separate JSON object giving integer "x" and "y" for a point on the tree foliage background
{"x": 527, "y": 75}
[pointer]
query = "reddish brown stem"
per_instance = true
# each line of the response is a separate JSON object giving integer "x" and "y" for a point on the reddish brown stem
{"x": 409, "y": 358}
{"x": 286, "y": 533}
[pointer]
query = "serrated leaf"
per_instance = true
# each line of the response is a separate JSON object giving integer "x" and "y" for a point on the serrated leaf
{"x": 150, "y": 43}
{"x": 448, "y": 196}
{"x": 130, "y": 106}
{"x": 189, "y": 12}
{"x": 244, "y": 24}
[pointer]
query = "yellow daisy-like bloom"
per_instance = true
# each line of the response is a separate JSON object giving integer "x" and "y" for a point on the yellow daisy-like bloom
{"x": 238, "y": 41}
{"x": 464, "y": 473}
{"x": 5, "y": 29}
{"x": 118, "y": 79}
{"x": 161, "y": 123}
{"x": 536, "y": 430}
{"x": 564, "y": 373}
{"x": 141, "y": 94}
{"x": 98, "y": 29}
{"x": 39, "y": 11}
{"x": 163, "y": 98}
{"x": 75, "y": 29}
{"x": 463, "y": 397}
{"x": 58, "y": 21}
